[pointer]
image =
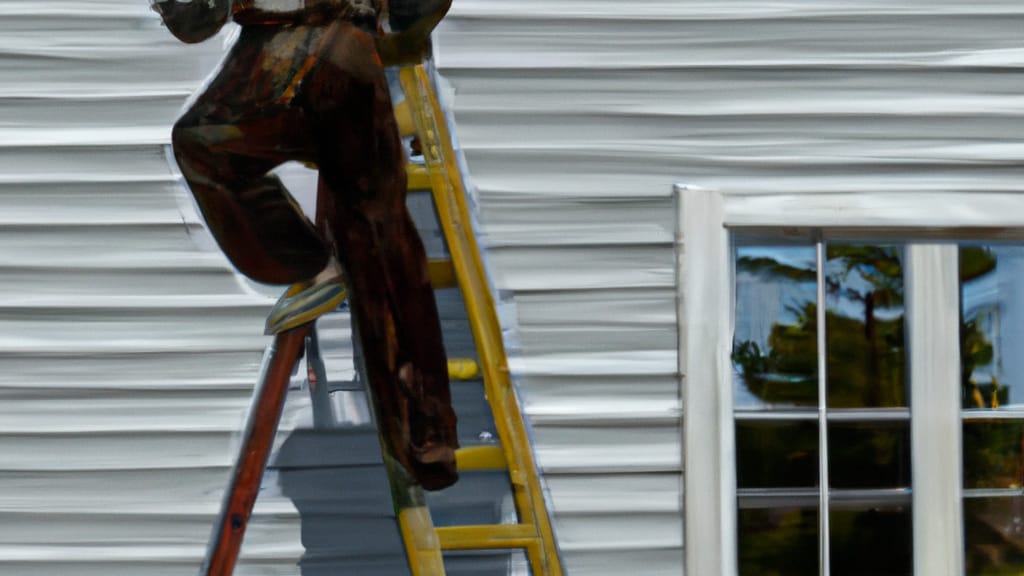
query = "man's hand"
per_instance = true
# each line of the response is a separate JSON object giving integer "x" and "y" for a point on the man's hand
{"x": 192, "y": 21}
{"x": 412, "y": 23}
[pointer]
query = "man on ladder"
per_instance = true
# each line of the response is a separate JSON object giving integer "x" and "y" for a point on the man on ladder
{"x": 305, "y": 82}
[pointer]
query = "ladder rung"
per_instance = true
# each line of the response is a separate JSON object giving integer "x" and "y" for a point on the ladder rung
{"x": 419, "y": 178}
{"x": 403, "y": 114}
{"x": 442, "y": 273}
{"x": 458, "y": 369}
{"x": 344, "y": 386}
{"x": 487, "y": 536}
{"x": 481, "y": 458}
{"x": 463, "y": 369}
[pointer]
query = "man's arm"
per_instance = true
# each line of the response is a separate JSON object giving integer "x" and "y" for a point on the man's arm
{"x": 193, "y": 21}
{"x": 411, "y": 23}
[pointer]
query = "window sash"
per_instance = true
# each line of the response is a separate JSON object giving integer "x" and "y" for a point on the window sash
{"x": 705, "y": 280}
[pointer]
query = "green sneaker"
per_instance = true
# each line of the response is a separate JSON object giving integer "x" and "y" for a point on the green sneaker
{"x": 304, "y": 302}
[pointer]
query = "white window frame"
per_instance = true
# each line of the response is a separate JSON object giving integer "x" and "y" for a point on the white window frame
{"x": 705, "y": 283}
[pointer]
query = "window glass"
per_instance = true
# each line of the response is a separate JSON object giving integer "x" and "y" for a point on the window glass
{"x": 779, "y": 408}
{"x": 992, "y": 326}
{"x": 994, "y": 531}
{"x": 775, "y": 356}
{"x": 864, "y": 326}
{"x": 869, "y": 455}
{"x": 873, "y": 539}
{"x": 778, "y": 541}
{"x": 777, "y": 454}
{"x": 992, "y": 397}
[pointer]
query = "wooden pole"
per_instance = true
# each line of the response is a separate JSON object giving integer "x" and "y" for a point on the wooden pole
{"x": 257, "y": 441}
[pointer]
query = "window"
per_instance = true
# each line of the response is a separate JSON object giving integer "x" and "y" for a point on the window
{"x": 850, "y": 402}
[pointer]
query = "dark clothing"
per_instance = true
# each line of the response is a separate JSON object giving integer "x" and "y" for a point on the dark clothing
{"x": 317, "y": 93}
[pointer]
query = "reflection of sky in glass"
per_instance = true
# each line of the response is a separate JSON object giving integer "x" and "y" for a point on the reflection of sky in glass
{"x": 995, "y": 301}
{"x": 866, "y": 364}
{"x": 766, "y": 296}
{"x": 851, "y": 308}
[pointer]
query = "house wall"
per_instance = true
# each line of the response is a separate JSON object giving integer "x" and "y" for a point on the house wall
{"x": 576, "y": 116}
{"x": 128, "y": 348}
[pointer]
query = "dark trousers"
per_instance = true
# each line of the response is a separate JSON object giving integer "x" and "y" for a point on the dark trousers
{"x": 317, "y": 93}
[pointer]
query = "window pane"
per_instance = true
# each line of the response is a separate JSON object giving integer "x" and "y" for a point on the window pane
{"x": 775, "y": 351}
{"x": 994, "y": 530}
{"x": 869, "y": 455}
{"x": 992, "y": 326}
{"x": 778, "y": 542}
{"x": 876, "y": 541}
{"x": 992, "y": 453}
{"x": 864, "y": 326}
{"x": 776, "y": 454}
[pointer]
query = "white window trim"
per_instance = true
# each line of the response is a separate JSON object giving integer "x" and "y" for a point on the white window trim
{"x": 705, "y": 315}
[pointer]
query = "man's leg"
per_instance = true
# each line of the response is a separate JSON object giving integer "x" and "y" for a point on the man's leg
{"x": 362, "y": 168}
{"x": 239, "y": 129}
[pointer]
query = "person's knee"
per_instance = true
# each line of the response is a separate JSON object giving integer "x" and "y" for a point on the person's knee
{"x": 184, "y": 139}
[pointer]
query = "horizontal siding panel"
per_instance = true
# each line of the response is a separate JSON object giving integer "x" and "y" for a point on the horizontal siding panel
{"x": 118, "y": 372}
{"x": 52, "y": 112}
{"x": 616, "y": 494}
{"x": 661, "y": 562}
{"x": 596, "y": 339}
{"x": 562, "y": 388}
{"x": 736, "y": 9}
{"x": 569, "y": 268}
{"x": 96, "y": 204}
{"x": 647, "y": 531}
{"x": 607, "y": 449}
{"x": 114, "y": 451}
{"x": 180, "y": 542}
{"x": 619, "y": 363}
{"x": 79, "y": 279}
{"x": 85, "y": 164}
{"x": 897, "y": 40}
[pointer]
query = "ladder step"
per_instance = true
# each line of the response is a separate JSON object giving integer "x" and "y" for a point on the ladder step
{"x": 419, "y": 178}
{"x": 442, "y": 273}
{"x": 463, "y": 369}
{"x": 487, "y": 536}
{"x": 481, "y": 458}
{"x": 458, "y": 369}
{"x": 403, "y": 114}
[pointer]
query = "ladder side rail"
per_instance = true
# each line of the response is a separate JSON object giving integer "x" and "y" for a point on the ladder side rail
{"x": 455, "y": 220}
{"x": 257, "y": 441}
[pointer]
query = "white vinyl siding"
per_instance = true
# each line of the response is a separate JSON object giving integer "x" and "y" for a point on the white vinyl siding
{"x": 577, "y": 116}
{"x": 128, "y": 346}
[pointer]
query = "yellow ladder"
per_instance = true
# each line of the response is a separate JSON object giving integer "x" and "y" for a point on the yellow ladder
{"x": 420, "y": 114}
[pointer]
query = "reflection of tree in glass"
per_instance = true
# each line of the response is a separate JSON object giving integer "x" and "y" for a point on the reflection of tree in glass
{"x": 778, "y": 542}
{"x": 992, "y": 448}
{"x": 995, "y": 543}
{"x": 786, "y": 371}
{"x": 867, "y": 370}
{"x": 865, "y": 354}
{"x": 866, "y": 361}
{"x": 975, "y": 349}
